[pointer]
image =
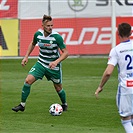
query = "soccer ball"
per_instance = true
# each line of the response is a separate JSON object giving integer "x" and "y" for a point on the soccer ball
{"x": 55, "y": 109}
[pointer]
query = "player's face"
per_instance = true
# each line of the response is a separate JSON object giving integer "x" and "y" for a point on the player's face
{"x": 47, "y": 27}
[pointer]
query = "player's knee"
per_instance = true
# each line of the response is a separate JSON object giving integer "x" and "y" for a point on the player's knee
{"x": 58, "y": 88}
{"x": 27, "y": 81}
{"x": 30, "y": 79}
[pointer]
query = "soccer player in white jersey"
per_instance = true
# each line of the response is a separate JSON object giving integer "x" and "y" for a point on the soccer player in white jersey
{"x": 48, "y": 64}
{"x": 122, "y": 56}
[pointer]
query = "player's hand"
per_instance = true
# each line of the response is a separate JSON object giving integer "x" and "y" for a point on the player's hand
{"x": 99, "y": 89}
{"x": 24, "y": 61}
{"x": 52, "y": 65}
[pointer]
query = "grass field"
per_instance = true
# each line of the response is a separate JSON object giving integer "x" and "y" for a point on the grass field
{"x": 85, "y": 114}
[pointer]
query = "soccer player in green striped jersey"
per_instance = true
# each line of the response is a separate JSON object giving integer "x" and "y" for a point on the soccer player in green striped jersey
{"x": 48, "y": 64}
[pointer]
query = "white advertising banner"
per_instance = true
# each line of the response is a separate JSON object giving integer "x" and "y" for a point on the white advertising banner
{"x": 32, "y": 9}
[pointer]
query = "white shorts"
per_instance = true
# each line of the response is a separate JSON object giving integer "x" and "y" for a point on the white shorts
{"x": 125, "y": 104}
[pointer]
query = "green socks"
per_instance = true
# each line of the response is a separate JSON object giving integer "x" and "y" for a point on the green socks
{"x": 62, "y": 96}
{"x": 25, "y": 92}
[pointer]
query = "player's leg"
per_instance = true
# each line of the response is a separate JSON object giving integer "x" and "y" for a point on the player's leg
{"x": 62, "y": 94}
{"x": 125, "y": 108}
{"x": 30, "y": 79}
{"x": 56, "y": 77}
{"x": 36, "y": 72}
{"x": 127, "y": 124}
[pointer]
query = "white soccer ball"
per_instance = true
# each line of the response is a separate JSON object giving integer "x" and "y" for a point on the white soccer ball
{"x": 55, "y": 109}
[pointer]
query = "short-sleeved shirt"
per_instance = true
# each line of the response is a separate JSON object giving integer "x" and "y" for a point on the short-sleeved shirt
{"x": 49, "y": 51}
{"x": 49, "y": 47}
{"x": 122, "y": 55}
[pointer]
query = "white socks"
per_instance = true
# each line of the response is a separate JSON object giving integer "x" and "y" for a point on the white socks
{"x": 127, "y": 126}
{"x": 23, "y": 104}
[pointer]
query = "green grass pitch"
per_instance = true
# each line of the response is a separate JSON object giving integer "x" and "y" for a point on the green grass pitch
{"x": 85, "y": 114}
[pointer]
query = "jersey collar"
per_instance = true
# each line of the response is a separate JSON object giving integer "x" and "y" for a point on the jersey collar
{"x": 126, "y": 41}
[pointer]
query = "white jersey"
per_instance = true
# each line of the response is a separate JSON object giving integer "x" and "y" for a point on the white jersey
{"x": 122, "y": 55}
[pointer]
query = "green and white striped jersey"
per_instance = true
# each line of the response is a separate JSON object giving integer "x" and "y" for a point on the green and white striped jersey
{"x": 49, "y": 47}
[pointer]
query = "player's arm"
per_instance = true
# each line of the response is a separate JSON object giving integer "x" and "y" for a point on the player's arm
{"x": 29, "y": 50}
{"x": 63, "y": 49}
{"x": 63, "y": 56}
{"x": 106, "y": 75}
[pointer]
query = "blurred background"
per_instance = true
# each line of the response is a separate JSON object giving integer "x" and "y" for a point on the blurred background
{"x": 89, "y": 27}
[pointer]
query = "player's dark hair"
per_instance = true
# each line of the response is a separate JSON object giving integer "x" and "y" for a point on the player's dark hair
{"x": 45, "y": 17}
{"x": 124, "y": 30}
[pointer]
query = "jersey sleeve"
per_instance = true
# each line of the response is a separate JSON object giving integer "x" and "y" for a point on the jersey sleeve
{"x": 113, "y": 58}
{"x": 35, "y": 38}
{"x": 60, "y": 41}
